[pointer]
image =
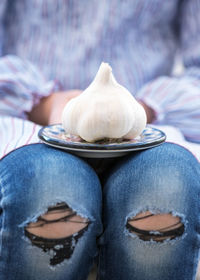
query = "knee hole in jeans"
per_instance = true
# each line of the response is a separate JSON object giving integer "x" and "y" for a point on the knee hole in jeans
{"x": 157, "y": 227}
{"x": 57, "y": 232}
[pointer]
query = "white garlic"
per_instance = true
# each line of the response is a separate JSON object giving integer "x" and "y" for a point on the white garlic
{"x": 104, "y": 110}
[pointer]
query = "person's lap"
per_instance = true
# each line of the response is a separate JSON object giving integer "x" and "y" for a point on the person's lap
{"x": 38, "y": 182}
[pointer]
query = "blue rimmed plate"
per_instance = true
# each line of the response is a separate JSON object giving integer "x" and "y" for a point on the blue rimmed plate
{"x": 55, "y": 135}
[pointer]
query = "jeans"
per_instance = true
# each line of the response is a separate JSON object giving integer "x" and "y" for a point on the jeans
{"x": 164, "y": 179}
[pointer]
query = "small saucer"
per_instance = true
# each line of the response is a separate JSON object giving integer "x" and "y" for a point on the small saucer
{"x": 55, "y": 136}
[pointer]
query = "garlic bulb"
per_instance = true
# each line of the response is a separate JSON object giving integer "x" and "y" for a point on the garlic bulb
{"x": 104, "y": 110}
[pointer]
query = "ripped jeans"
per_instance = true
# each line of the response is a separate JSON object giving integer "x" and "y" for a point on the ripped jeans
{"x": 44, "y": 190}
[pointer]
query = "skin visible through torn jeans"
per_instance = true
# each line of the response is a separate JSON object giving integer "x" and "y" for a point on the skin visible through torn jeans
{"x": 58, "y": 231}
{"x": 138, "y": 218}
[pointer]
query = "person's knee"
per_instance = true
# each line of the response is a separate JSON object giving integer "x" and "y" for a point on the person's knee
{"x": 168, "y": 169}
{"x": 158, "y": 227}
{"x": 160, "y": 174}
{"x": 50, "y": 175}
{"x": 37, "y": 179}
{"x": 57, "y": 231}
{"x": 59, "y": 221}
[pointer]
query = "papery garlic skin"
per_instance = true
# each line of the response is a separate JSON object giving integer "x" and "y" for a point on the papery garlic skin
{"x": 104, "y": 110}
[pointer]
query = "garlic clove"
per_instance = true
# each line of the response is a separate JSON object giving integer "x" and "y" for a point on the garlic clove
{"x": 139, "y": 123}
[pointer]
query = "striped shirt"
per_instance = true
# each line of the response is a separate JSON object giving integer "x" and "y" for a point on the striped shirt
{"x": 50, "y": 45}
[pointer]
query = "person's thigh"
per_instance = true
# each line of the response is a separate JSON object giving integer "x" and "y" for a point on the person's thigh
{"x": 151, "y": 216}
{"x": 50, "y": 215}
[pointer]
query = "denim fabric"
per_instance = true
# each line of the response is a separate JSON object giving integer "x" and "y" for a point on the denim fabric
{"x": 165, "y": 179}
{"x": 32, "y": 179}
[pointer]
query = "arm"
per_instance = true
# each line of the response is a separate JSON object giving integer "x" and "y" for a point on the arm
{"x": 21, "y": 84}
{"x": 22, "y": 88}
{"x": 176, "y": 100}
{"x": 49, "y": 109}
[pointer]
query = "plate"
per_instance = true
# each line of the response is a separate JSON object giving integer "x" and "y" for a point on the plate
{"x": 55, "y": 136}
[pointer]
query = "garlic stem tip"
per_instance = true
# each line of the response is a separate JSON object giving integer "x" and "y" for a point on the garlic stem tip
{"x": 103, "y": 74}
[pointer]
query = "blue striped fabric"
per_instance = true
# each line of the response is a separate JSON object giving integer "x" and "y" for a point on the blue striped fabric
{"x": 67, "y": 40}
{"x": 21, "y": 86}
